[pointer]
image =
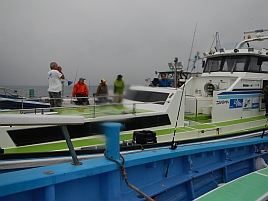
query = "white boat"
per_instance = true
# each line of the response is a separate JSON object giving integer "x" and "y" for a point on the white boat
{"x": 225, "y": 99}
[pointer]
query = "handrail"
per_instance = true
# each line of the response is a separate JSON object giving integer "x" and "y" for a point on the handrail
{"x": 94, "y": 106}
{"x": 195, "y": 105}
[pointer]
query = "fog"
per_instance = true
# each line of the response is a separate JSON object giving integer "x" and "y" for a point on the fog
{"x": 98, "y": 39}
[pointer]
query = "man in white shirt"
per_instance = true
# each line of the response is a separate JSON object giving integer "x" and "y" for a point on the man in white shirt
{"x": 55, "y": 87}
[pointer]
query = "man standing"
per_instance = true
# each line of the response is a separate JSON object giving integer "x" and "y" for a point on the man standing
{"x": 55, "y": 87}
{"x": 119, "y": 86}
{"x": 80, "y": 90}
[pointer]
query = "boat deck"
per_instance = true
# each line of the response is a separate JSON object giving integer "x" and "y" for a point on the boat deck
{"x": 250, "y": 187}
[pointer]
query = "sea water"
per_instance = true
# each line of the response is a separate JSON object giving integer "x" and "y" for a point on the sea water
{"x": 41, "y": 91}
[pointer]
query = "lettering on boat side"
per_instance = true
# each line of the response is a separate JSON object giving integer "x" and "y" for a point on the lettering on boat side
{"x": 221, "y": 102}
{"x": 251, "y": 85}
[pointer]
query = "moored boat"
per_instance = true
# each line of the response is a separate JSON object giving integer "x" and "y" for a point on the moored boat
{"x": 224, "y": 99}
{"x": 10, "y": 99}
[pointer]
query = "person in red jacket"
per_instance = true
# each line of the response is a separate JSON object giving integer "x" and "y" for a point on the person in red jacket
{"x": 80, "y": 90}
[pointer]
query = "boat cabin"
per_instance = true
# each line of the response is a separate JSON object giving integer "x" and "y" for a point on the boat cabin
{"x": 231, "y": 84}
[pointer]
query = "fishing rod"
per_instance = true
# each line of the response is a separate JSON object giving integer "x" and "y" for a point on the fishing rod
{"x": 74, "y": 82}
{"x": 76, "y": 74}
{"x": 62, "y": 83}
{"x": 174, "y": 144}
{"x": 191, "y": 48}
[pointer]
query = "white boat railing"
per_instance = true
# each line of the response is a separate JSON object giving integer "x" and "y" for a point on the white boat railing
{"x": 68, "y": 103}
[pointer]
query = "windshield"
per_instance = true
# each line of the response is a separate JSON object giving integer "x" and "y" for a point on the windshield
{"x": 236, "y": 64}
{"x": 146, "y": 96}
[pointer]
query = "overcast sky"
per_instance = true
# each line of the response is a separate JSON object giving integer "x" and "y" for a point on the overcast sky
{"x": 98, "y": 39}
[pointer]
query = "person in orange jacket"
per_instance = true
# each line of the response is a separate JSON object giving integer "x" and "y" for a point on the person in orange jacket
{"x": 80, "y": 90}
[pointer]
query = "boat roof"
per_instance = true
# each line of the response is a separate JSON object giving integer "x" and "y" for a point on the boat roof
{"x": 235, "y": 52}
{"x": 240, "y": 50}
{"x": 172, "y": 71}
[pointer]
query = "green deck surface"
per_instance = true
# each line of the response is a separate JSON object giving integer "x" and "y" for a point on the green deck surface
{"x": 247, "y": 188}
{"x": 53, "y": 146}
{"x": 200, "y": 118}
{"x": 128, "y": 136}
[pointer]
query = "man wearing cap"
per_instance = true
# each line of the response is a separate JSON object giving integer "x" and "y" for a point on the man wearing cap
{"x": 81, "y": 90}
{"x": 102, "y": 91}
{"x": 119, "y": 86}
{"x": 55, "y": 87}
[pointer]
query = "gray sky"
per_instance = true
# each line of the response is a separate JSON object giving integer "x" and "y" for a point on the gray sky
{"x": 104, "y": 38}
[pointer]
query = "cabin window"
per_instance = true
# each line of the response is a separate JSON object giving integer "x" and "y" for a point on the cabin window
{"x": 232, "y": 64}
{"x": 253, "y": 65}
{"x": 236, "y": 64}
{"x": 212, "y": 65}
{"x": 146, "y": 96}
{"x": 264, "y": 66}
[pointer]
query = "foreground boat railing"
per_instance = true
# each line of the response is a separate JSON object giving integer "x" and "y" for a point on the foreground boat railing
{"x": 30, "y": 120}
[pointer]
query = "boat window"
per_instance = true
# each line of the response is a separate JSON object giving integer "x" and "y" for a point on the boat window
{"x": 264, "y": 66}
{"x": 232, "y": 64}
{"x": 146, "y": 96}
{"x": 213, "y": 65}
{"x": 253, "y": 65}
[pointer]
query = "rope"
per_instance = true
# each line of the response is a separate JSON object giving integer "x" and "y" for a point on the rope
{"x": 124, "y": 176}
{"x": 213, "y": 179}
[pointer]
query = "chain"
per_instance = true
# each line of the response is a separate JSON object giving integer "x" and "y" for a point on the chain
{"x": 124, "y": 176}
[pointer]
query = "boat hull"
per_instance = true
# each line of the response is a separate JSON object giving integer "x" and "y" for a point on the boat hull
{"x": 19, "y": 104}
{"x": 163, "y": 174}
